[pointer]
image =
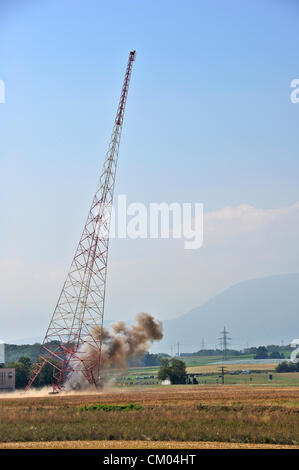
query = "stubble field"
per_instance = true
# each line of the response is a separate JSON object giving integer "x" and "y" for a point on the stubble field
{"x": 193, "y": 416}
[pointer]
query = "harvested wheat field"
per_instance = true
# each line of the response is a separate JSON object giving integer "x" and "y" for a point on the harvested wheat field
{"x": 213, "y": 368}
{"x": 139, "y": 445}
{"x": 170, "y": 417}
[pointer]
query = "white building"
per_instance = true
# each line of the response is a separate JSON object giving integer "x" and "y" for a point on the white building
{"x": 2, "y": 352}
{"x": 295, "y": 344}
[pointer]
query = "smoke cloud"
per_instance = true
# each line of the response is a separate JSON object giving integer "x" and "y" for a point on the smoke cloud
{"x": 119, "y": 346}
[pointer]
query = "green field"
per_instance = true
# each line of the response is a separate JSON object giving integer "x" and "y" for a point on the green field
{"x": 257, "y": 378}
{"x": 190, "y": 361}
{"x": 259, "y": 373}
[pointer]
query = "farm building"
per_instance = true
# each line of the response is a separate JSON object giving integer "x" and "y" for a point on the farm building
{"x": 7, "y": 379}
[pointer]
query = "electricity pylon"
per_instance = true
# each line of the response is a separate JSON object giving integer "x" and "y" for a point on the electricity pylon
{"x": 224, "y": 342}
{"x": 80, "y": 306}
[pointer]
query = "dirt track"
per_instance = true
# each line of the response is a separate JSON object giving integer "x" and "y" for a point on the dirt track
{"x": 138, "y": 445}
{"x": 171, "y": 394}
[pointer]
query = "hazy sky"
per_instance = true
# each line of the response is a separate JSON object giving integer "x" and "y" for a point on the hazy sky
{"x": 209, "y": 119}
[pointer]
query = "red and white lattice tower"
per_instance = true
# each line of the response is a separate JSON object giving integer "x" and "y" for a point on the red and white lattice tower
{"x": 80, "y": 306}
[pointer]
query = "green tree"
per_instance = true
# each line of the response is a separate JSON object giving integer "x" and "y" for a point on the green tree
{"x": 22, "y": 369}
{"x": 275, "y": 354}
{"x": 287, "y": 367}
{"x": 45, "y": 376}
{"x": 261, "y": 353}
{"x": 164, "y": 371}
{"x": 174, "y": 370}
{"x": 26, "y": 362}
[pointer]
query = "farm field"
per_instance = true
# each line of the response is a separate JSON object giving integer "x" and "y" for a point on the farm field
{"x": 254, "y": 379}
{"x": 225, "y": 416}
{"x": 138, "y": 445}
{"x": 208, "y": 368}
{"x": 190, "y": 361}
{"x": 209, "y": 375}
{"x": 204, "y": 364}
{"x": 209, "y": 364}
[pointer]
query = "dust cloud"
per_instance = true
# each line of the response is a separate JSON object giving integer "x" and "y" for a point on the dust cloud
{"x": 118, "y": 347}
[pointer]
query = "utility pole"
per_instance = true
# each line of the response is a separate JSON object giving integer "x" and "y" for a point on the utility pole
{"x": 178, "y": 349}
{"x": 224, "y": 342}
{"x": 203, "y": 344}
{"x": 222, "y": 371}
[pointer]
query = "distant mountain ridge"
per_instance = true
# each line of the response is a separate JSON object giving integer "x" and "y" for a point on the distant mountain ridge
{"x": 258, "y": 312}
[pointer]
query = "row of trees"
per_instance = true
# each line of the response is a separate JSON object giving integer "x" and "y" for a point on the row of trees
{"x": 263, "y": 353}
{"x": 272, "y": 351}
{"x": 287, "y": 367}
{"x": 171, "y": 369}
{"x": 211, "y": 352}
{"x": 148, "y": 360}
{"x": 23, "y": 369}
{"x": 13, "y": 352}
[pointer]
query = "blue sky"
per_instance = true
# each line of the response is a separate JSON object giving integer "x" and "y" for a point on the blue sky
{"x": 209, "y": 119}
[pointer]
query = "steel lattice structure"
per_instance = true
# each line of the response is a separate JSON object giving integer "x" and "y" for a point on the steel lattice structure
{"x": 80, "y": 306}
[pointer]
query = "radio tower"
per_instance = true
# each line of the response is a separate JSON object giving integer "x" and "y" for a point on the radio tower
{"x": 80, "y": 306}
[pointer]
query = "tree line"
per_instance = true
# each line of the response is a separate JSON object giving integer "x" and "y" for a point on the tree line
{"x": 271, "y": 351}
{"x": 287, "y": 367}
{"x": 23, "y": 369}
